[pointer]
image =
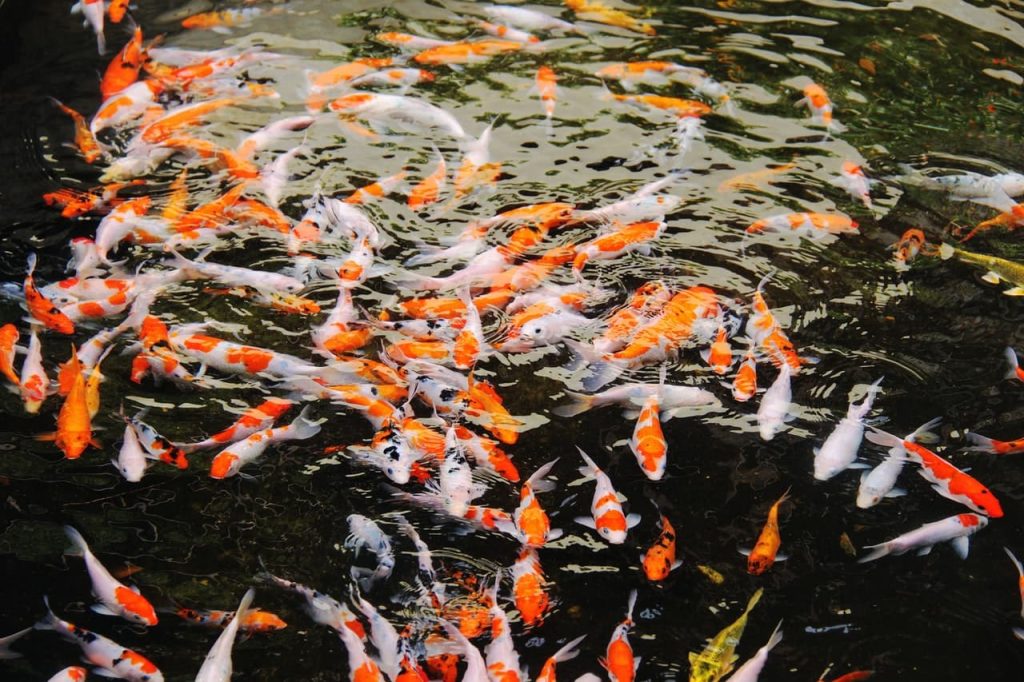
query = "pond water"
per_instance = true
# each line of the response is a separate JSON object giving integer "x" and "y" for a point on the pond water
{"x": 920, "y": 88}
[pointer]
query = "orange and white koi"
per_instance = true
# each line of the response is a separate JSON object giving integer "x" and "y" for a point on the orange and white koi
{"x": 648, "y": 441}
{"x": 115, "y": 599}
{"x": 531, "y": 525}
{"x": 528, "y": 580}
{"x": 376, "y": 190}
{"x": 744, "y": 384}
{"x": 818, "y": 102}
{"x": 719, "y": 356}
{"x": 93, "y": 11}
{"x": 547, "y": 88}
{"x": 119, "y": 224}
{"x": 507, "y": 32}
{"x": 222, "y": 21}
{"x": 501, "y": 655}
{"x": 108, "y": 656}
{"x": 566, "y": 653}
{"x": 33, "y": 384}
{"x": 956, "y": 530}
{"x": 72, "y": 673}
{"x": 812, "y": 225}
{"x": 992, "y": 446}
{"x": 618, "y": 659}
{"x": 229, "y": 461}
{"x": 946, "y": 479}
{"x": 130, "y": 103}
{"x": 651, "y": 72}
{"x": 765, "y": 551}
{"x": 362, "y": 668}
{"x": 633, "y": 237}
{"x": 428, "y": 190}
{"x": 486, "y": 453}
{"x": 8, "y": 339}
{"x": 251, "y": 421}
{"x": 322, "y": 608}
{"x": 605, "y": 508}
{"x": 543, "y": 323}
{"x": 852, "y": 179}
{"x": 676, "y": 106}
{"x": 660, "y": 559}
{"x": 383, "y": 636}
{"x": 477, "y": 169}
{"x": 393, "y": 77}
{"x": 476, "y": 667}
{"x": 184, "y": 116}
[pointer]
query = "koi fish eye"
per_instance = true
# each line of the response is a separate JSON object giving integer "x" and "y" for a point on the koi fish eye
{"x": 605, "y": 531}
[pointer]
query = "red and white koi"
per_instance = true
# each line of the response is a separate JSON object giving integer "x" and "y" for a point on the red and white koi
{"x": 839, "y": 450}
{"x": 34, "y": 382}
{"x": 956, "y": 530}
{"x": 501, "y": 656}
{"x": 235, "y": 358}
{"x": 361, "y": 667}
{"x": 115, "y": 599}
{"x": 946, "y": 479}
{"x": 217, "y": 666}
{"x": 606, "y": 506}
{"x": 818, "y": 102}
{"x": 528, "y": 580}
{"x": 157, "y": 446}
{"x": 110, "y": 658}
{"x": 811, "y": 225}
{"x": 251, "y": 421}
{"x": 72, "y": 673}
{"x": 1014, "y": 371}
{"x": 476, "y": 667}
{"x": 229, "y": 461}
{"x": 618, "y": 659}
{"x": 852, "y": 179}
{"x": 531, "y": 525}
{"x": 487, "y": 453}
{"x": 648, "y": 441}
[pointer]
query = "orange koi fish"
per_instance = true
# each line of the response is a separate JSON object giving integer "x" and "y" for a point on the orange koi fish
{"x": 632, "y": 237}
{"x": 376, "y": 190}
{"x": 818, "y": 102}
{"x": 660, "y": 559}
{"x": 74, "y": 427}
{"x": 85, "y": 141}
{"x": 680, "y": 108}
{"x": 598, "y": 12}
{"x": 41, "y": 308}
{"x": 407, "y": 41}
{"x": 532, "y": 527}
{"x": 753, "y": 180}
{"x": 1010, "y": 219}
{"x": 468, "y": 52}
{"x": 117, "y": 9}
{"x": 8, "y": 338}
{"x": 719, "y": 355}
{"x": 428, "y": 190}
{"x": 547, "y": 88}
{"x": 181, "y": 117}
{"x": 123, "y": 69}
{"x": 223, "y": 20}
{"x": 254, "y": 620}
{"x": 813, "y": 225}
{"x": 765, "y": 552}
{"x": 618, "y": 659}
{"x": 744, "y": 384}
{"x": 648, "y": 441}
{"x": 566, "y": 653}
{"x": 531, "y": 598}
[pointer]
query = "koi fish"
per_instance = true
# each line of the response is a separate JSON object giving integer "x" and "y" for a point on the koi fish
{"x": 531, "y": 525}
{"x": 123, "y": 69}
{"x": 999, "y": 269}
{"x": 108, "y": 656}
{"x": 415, "y": 112}
{"x": 217, "y": 665}
{"x": 85, "y": 141}
{"x": 229, "y": 461}
{"x": 72, "y": 673}
{"x": 648, "y": 441}
{"x": 429, "y": 189}
{"x": 361, "y": 667}
{"x": 34, "y": 383}
{"x": 956, "y": 530}
{"x": 812, "y": 225}
{"x": 591, "y": 10}
{"x": 765, "y": 552}
{"x": 364, "y": 533}
{"x": 744, "y": 384}
{"x": 8, "y": 340}
{"x": 157, "y": 446}
{"x": 839, "y": 450}
{"x": 618, "y": 659}
{"x": 321, "y": 608}
{"x": 531, "y": 20}
{"x": 773, "y": 411}
{"x": 501, "y": 656}
{"x": 547, "y": 88}
{"x": 115, "y": 599}
{"x": 406, "y": 41}
{"x": 880, "y": 482}
{"x": 93, "y": 12}
{"x": 753, "y": 180}
{"x": 909, "y": 246}
{"x": 40, "y": 308}
{"x": 719, "y": 355}
{"x": 253, "y": 620}
{"x": 117, "y": 9}
{"x": 716, "y": 660}
{"x": 751, "y": 670}
{"x": 996, "y": 447}
{"x": 222, "y": 21}
{"x": 605, "y": 508}
{"x": 660, "y": 558}
{"x": 680, "y": 108}
{"x": 946, "y": 479}
{"x": 852, "y": 179}
{"x": 131, "y": 458}
{"x": 507, "y": 32}
{"x": 384, "y": 637}
{"x": 376, "y": 190}
{"x": 818, "y": 102}
{"x": 456, "y": 480}
{"x": 466, "y": 52}
{"x": 251, "y": 421}
{"x": 476, "y": 667}
{"x": 528, "y": 580}
{"x": 633, "y": 237}
{"x": 74, "y": 427}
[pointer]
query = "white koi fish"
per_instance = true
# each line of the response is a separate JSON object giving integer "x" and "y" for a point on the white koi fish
{"x": 383, "y": 636}
{"x": 852, "y": 179}
{"x": 416, "y": 113}
{"x": 880, "y": 482}
{"x": 501, "y": 655}
{"x": 217, "y": 665}
{"x": 751, "y": 670}
{"x": 839, "y": 450}
{"x": 773, "y": 412}
{"x": 606, "y": 506}
{"x": 456, "y": 486}
{"x": 232, "y": 275}
{"x": 956, "y": 530}
{"x": 363, "y": 532}
{"x": 131, "y": 458}
{"x": 670, "y": 398}
{"x": 528, "y": 19}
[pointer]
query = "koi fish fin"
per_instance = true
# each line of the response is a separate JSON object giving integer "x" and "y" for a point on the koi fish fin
{"x": 78, "y": 545}
{"x": 781, "y": 557}
{"x": 924, "y": 551}
{"x": 877, "y": 552}
{"x": 745, "y": 551}
{"x": 579, "y": 403}
{"x": 693, "y": 658}
{"x": 1016, "y": 562}
{"x": 1011, "y": 359}
{"x": 879, "y": 437}
{"x": 1015, "y": 291}
{"x": 46, "y": 437}
{"x": 103, "y": 672}
{"x": 676, "y": 564}
{"x": 632, "y": 520}
{"x": 705, "y": 354}
{"x": 1018, "y": 633}
{"x": 991, "y": 277}
{"x": 587, "y": 521}
{"x": 896, "y": 492}
{"x": 961, "y": 545}
{"x": 103, "y": 610}
{"x": 6, "y": 642}
{"x": 859, "y": 465}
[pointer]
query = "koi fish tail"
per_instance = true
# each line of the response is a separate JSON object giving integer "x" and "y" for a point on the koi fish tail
{"x": 303, "y": 427}
{"x": 578, "y": 404}
{"x": 630, "y": 606}
{"x": 569, "y": 651}
{"x": 536, "y": 481}
{"x": 591, "y": 470}
{"x": 78, "y": 546}
{"x": 50, "y": 621}
{"x": 1011, "y": 359}
{"x": 776, "y": 637}
{"x": 877, "y": 552}
{"x": 364, "y": 576}
{"x": 946, "y": 251}
{"x": 599, "y": 370}
{"x": 753, "y": 600}
{"x": 244, "y": 605}
{"x": 6, "y": 642}
{"x": 983, "y": 444}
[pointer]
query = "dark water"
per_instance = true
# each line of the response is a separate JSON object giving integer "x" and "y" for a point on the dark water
{"x": 929, "y": 83}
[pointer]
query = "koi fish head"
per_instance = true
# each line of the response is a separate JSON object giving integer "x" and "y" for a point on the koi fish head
{"x": 262, "y": 621}
{"x": 657, "y": 564}
{"x": 225, "y": 464}
{"x": 758, "y": 563}
{"x": 351, "y": 102}
{"x": 135, "y": 607}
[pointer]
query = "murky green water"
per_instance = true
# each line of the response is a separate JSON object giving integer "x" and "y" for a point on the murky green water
{"x": 934, "y": 84}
